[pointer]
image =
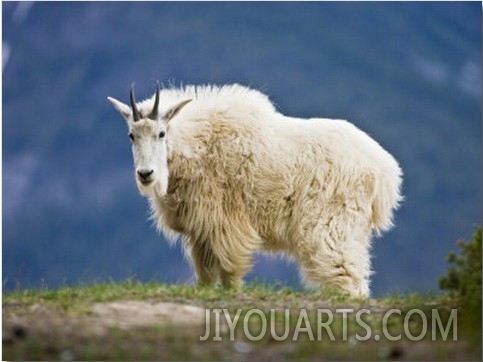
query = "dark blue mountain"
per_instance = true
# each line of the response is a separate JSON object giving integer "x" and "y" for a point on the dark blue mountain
{"x": 409, "y": 74}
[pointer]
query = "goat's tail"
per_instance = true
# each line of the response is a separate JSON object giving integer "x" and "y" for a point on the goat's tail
{"x": 386, "y": 198}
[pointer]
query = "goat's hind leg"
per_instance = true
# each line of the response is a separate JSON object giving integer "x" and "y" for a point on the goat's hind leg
{"x": 343, "y": 266}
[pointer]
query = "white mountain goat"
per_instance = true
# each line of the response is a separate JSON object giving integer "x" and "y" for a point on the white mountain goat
{"x": 222, "y": 167}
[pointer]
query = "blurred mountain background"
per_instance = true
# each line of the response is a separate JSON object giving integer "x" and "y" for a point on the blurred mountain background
{"x": 409, "y": 74}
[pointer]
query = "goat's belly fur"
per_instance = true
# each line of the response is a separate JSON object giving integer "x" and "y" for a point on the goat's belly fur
{"x": 241, "y": 182}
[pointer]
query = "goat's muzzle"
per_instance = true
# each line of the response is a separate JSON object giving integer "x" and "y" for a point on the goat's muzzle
{"x": 144, "y": 176}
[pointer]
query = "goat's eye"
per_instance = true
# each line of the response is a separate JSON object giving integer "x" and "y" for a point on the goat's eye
{"x": 131, "y": 137}
{"x": 162, "y": 134}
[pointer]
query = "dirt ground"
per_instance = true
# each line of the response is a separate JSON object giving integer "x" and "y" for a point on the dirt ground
{"x": 155, "y": 330}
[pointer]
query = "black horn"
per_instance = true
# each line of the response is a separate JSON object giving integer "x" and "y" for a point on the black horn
{"x": 135, "y": 112}
{"x": 154, "y": 113}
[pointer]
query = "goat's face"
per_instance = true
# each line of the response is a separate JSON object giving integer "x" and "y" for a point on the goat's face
{"x": 148, "y": 134}
{"x": 149, "y": 150}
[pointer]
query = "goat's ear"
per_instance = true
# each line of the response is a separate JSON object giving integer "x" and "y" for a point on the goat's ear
{"x": 124, "y": 109}
{"x": 173, "y": 111}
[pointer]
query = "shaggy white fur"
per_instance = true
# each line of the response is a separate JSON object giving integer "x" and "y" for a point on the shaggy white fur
{"x": 241, "y": 177}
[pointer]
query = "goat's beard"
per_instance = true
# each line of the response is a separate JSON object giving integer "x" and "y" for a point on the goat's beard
{"x": 158, "y": 188}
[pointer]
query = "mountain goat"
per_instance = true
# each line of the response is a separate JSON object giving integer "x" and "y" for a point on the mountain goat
{"x": 223, "y": 168}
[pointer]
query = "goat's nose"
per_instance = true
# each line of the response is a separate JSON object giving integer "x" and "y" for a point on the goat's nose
{"x": 144, "y": 174}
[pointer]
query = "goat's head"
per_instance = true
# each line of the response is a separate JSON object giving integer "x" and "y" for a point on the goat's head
{"x": 148, "y": 131}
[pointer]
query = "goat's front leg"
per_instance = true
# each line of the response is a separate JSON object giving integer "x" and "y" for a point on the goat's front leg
{"x": 206, "y": 264}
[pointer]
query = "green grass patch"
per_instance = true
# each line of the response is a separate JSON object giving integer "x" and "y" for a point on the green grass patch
{"x": 251, "y": 295}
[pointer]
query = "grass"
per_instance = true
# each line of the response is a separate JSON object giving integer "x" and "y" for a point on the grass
{"x": 65, "y": 324}
{"x": 250, "y": 295}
